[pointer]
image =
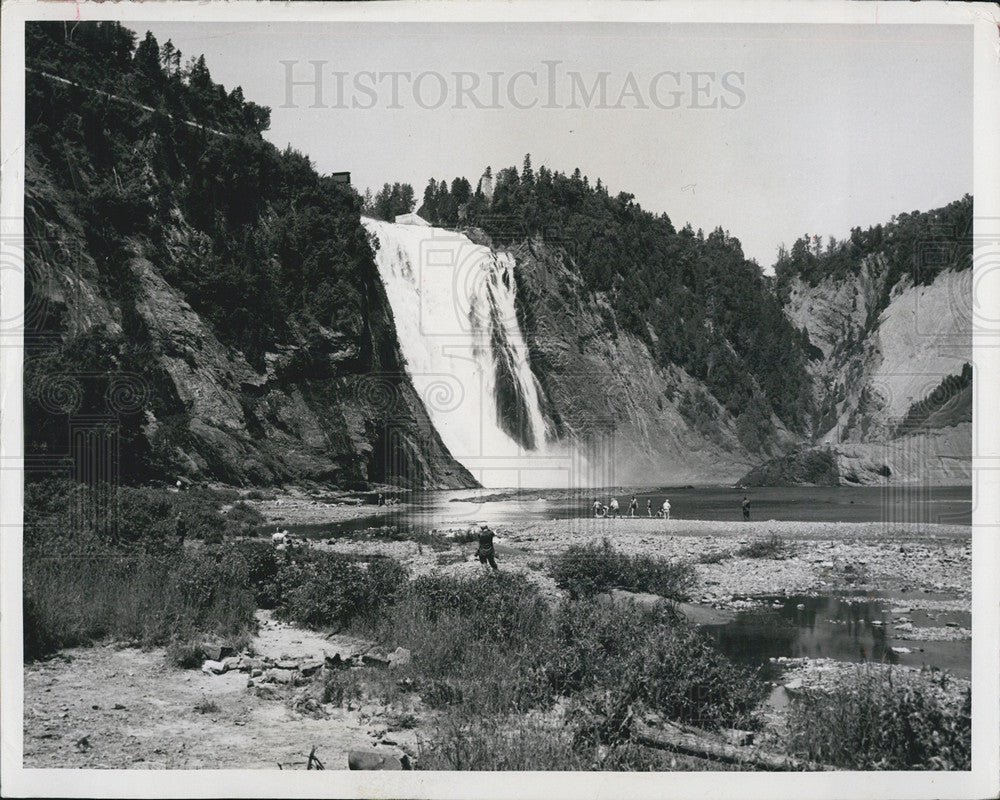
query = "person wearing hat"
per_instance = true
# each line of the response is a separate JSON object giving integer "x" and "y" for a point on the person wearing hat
{"x": 485, "y": 551}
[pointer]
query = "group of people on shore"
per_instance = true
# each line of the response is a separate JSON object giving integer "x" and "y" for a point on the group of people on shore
{"x": 612, "y": 509}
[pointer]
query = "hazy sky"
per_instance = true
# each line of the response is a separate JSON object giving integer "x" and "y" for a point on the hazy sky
{"x": 827, "y": 127}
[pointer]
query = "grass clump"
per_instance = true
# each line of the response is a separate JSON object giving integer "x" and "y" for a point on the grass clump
{"x": 586, "y": 570}
{"x": 875, "y": 721}
{"x": 139, "y": 598}
{"x": 773, "y": 547}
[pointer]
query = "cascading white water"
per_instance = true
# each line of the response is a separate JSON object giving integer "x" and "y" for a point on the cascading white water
{"x": 453, "y": 302}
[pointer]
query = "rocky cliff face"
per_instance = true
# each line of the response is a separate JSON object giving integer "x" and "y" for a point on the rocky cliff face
{"x": 318, "y": 410}
{"x": 895, "y": 402}
{"x": 639, "y": 423}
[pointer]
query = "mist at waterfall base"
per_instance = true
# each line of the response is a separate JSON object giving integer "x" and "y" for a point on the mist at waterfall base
{"x": 454, "y": 306}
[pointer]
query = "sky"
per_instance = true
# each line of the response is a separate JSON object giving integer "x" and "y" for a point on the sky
{"x": 769, "y": 131}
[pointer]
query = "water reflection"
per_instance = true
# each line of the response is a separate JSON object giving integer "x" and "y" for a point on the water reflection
{"x": 830, "y": 627}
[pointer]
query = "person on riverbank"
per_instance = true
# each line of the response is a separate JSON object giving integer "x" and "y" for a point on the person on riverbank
{"x": 614, "y": 508}
{"x": 486, "y": 552}
{"x": 746, "y": 508}
{"x": 633, "y": 506}
{"x": 598, "y": 508}
{"x": 666, "y": 508}
{"x": 649, "y": 508}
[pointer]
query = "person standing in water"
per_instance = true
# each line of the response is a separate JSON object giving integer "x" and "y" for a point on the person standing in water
{"x": 614, "y": 508}
{"x": 485, "y": 551}
{"x": 598, "y": 508}
{"x": 746, "y": 508}
{"x": 649, "y": 508}
{"x": 666, "y": 508}
{"x": 633, "y": 506}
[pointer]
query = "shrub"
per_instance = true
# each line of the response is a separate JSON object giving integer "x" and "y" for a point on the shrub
{"x": 632, "y": 656}
{"x": 586, "y": 570}
{"x": 873, "y": 721}
{"x": 772, "y": 547}
{"x": 263, "y": 563}
{"x": 328, "y": 590}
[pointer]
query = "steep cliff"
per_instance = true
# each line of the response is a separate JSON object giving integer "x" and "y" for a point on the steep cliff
{"x": 320, "y": 408}
{"x": 639, "y": 422}
{"x": 893, "y": 384}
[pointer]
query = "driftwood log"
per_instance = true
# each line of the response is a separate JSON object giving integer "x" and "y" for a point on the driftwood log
{"x": 693, "y": 742}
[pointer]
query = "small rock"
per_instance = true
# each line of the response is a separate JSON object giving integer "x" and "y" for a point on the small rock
{"x": 119, "y": 707}
{"x": 738, "y": 737}
{"x": 901, "y": 650}
{"x": 400, "y": 657}
{"x": 372, "y": 760}
{"x": 279, "y": 676}
{"x": 794, "y": 685}
{"x": 256, "y": 673}
{"x": 233, "y": 662}
{"x": 213, "y": 667}
{"x": 310, "y": 667}
{"x": 216, "y": 652}
{"x": 287, "y": 663}
{"x": 375, "y": 660}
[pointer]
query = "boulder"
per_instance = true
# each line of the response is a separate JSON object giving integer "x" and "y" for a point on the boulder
{"x": 279, "y": 676}
{"x": 374, "y": 659}
{"x": 400, "y": 657}
{"x": 374, "y": 760}
{"x": 213, "y": 667}
{"x": 287, "y": 663}
{"x": 311, "y": 666}
{"x": 216, "y": 652}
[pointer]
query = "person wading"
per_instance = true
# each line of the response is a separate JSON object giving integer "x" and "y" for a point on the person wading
{"x": 649, "y": 509}
{"x": 485, "y": 551}
{"x": 746, "y": 508}
{"x": 614, "y": 508}
{"x": 666, "y": 509}
{"x": 633, "y": 506}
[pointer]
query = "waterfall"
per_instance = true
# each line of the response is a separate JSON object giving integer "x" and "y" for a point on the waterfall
{"x": 454, "y": 307}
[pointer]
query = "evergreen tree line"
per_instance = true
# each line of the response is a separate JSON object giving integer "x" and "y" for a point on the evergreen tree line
{"x": 918, "y": 244}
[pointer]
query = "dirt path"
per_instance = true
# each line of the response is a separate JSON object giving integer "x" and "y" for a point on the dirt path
{"x": 106, "y": 707}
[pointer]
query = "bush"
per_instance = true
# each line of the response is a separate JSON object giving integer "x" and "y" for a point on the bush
{"x": 772, "y": 547}
{"x": 875, "y": 721}
{"x": 630, "y": 656}
{"x": 263, "y": 562}
{"x": 586, "y": 570}
{"x": 322, "y": 590}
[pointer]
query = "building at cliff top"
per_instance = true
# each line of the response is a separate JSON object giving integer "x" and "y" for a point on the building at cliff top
{"x": 411, "y": 219}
